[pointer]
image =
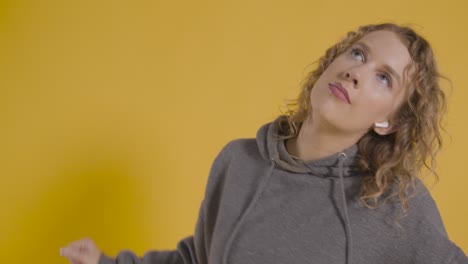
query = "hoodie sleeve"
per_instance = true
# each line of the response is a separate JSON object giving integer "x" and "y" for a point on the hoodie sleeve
{"x": 184, "y": 254}
{"x": 193, "y": 249}
{"x": 459, "y": 257}
{"x": 190, "y": 250}
{"x": 430, "y": 240}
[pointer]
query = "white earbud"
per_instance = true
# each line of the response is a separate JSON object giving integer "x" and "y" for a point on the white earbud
{"x": 382, "y": 124}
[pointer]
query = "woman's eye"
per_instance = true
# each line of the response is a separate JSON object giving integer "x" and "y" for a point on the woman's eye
{"x": 386, "y": 79}
{"x": 357, "y": 53}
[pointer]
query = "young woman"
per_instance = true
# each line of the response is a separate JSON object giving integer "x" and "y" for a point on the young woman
{"x": 335, "y": 179}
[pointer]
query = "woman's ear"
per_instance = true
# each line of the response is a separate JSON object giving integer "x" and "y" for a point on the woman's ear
{"x": 384, "y": 128}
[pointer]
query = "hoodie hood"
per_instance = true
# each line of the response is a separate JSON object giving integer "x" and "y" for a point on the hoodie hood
{"x": 274, "y": 149}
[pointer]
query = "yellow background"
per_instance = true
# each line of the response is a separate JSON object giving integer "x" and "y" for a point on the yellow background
{"x": 111, "y": 112}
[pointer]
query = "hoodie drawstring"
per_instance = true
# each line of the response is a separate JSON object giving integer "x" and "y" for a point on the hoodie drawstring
{"x": 247, "y": 211}
{"x": 349, "y": 240}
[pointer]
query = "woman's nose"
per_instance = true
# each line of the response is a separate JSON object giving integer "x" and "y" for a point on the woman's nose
{"x": 351, "y": 76}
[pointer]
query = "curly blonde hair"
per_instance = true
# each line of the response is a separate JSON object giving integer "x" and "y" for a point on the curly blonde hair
{"x": 392, "y": 161}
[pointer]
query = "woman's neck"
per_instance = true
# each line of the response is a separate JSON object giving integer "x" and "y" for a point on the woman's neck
{"x": 315, "y": 141}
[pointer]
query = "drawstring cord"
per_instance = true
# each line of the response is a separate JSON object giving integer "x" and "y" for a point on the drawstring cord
{"x": 346, "y": 215}
{"x": 247, "y": 211}
{"x": 257, "y": 196}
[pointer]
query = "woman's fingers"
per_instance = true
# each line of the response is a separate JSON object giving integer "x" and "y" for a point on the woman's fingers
{"x": 73, "y": 255}
{"x": 82, "y": 251}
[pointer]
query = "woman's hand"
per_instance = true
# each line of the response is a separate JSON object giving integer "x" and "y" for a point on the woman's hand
{"x": 82, "y": 251}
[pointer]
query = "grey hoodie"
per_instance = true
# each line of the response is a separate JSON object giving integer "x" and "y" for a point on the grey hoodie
{"x": 263, "y": 205}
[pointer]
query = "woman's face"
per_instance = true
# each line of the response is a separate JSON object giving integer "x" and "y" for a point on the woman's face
{"x": 363, "y": 85}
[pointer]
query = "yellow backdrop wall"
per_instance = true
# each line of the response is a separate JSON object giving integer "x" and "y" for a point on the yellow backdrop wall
{"x": 111, "y": 112}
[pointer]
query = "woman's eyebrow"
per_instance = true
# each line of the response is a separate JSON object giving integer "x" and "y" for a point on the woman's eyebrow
{"x": 368, "y": 50}
{"x": 364, "y": 46}
{"x": 393, "y": 72}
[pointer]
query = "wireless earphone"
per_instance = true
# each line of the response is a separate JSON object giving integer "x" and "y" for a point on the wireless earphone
{"x": 382, "y": 124}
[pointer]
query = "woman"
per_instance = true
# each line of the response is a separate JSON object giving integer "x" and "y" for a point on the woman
{"x": 335, "y": 180}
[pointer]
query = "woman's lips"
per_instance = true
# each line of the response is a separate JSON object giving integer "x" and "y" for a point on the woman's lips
{"x": 339, "y": 91}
